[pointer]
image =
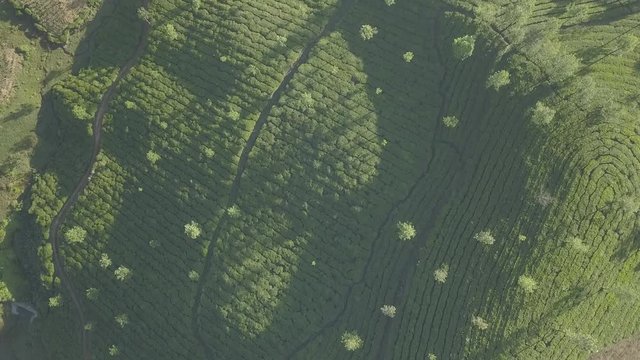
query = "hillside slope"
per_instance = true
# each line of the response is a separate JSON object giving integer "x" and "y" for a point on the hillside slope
{"x": 258, "y": 159}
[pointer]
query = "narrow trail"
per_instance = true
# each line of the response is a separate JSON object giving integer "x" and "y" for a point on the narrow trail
{"x": 401, "y": 290}
{"x": 59, "y": 219}
{"x": 340, "y": 13}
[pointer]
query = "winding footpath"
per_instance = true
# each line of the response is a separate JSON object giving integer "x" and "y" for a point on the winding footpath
{"x": 339, "y": 14}
{"x": 57, "y": 222}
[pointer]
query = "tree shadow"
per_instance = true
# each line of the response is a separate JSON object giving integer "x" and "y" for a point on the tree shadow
{"x": 22, "y": 111}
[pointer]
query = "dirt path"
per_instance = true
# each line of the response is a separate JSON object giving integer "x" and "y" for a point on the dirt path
{"x": 335, "y": 19}
{"x": 84, "y": 181}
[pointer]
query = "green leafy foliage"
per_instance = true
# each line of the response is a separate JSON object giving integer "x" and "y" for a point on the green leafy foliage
{"x": 528, "y": 284}
{"x": 367, "y": 32}
{"x": 498, "y": 79}
{"x": 541, "y": 114}
{"x": 463, "y": 47}
{"x": 351, "y": 341}
{"x": 75, "y": 235}
{"x": 192, "y": 230}
{"x": 406, "y": 231}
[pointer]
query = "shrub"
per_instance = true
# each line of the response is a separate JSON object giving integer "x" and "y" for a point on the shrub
{"x": 406, "y": 231}
{"x": 408, "y": 56}
{"x": 75, "y": 235}
{"x": 576, "y": 244}
{"x": 352, "y": 341}
{"x": 192, "y": 230}
{"x": 55, "y": 301}
{"x": 144, "y": 15}
{"x": 122, "y": 273}
{"x": 541, "y": 114}
{"x": 170, "y": 32}
{"x": 463, "y": 47}
{"x": 527, "y": 283}
{"x": 479, "y": 323}
{"x": 498, "y": 79}
{"x": 440, "y": 275}
{"x": 388, "y": 310}
{"x": 367, "y": 32}
{"x": 122, "y": 320}
{"x": 193, "y": 275}
{"x": 80, "y": 112}
{"x": 450, "y": 121}
{"x": 5, "y": 293}
{"x": 105, "y": 261}
{"x": 153, "y": 157}
{"x": 92, "y": 293}
{"x": 485, "y": 237}
{"x": 113, "y": 350}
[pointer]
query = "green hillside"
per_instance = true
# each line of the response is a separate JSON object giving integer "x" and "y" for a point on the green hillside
{"x": 272, "y": 173}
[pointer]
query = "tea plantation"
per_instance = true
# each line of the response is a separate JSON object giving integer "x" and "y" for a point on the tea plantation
{"x": 343, "y": 179}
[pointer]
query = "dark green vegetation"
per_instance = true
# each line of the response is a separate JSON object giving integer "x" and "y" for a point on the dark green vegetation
{"x": 277, "y": 178}
{"x": 58, "y": 18}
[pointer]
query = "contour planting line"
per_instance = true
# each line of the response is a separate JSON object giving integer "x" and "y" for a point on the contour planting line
{"x": 59, "y": 219}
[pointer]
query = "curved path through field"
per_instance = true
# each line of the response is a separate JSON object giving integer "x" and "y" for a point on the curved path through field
{"x": 57, "y": 222}
{"x": 303, "y": 57}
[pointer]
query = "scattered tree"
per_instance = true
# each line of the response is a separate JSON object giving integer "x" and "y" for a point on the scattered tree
{"x": 522, "y": 238}
{"x": 352, "y": 341}
{"x": 378, "y": 91}
{"x": 450, "y": 121}
{"x": 122, "y": 320}
{"x": 170, "y": 32}
{"x": 233, "y": 115}
{"x": 88, "y": 326}
{"x": 195, "y": 5}
{"x": 479, "y": 323}
{"x": 463, "y": 47}
{"x": 390, "y": 2}
{"x": 440, "y": 275}
{"x": 577, "y": 245}
{"x": 307, "y": 100}
{"x": 388, "y": 310}
{"x": 55, "y": 301}
{"x": 80, "y": 112}
{"x": 105, "y": 261}
{"x": 75, "y": 235}
{"x": 5, "y": 293}
{"x": 408, "y": 56}
{"x": 113, "y": 350}
{"x": 193, "y": 275}
{"x": 153, "y": 157}
{"x": 208, "y": 152}
{"x": 367, "y": 32}
{"x": 233, "y": 211}
{"x": 527, "y": 283}
{"x": 192, "y": 230}
{"x": 432, "y": 356}
{"x": 485, "y": 237}
{"x": 406, "y": 231}
{"x": 144, "y": 15}
{"x": 541, "y": 114}
{"x": 498, "y": 79}
{"x": 92, "y": 293}
{"x": 122, "y": 273}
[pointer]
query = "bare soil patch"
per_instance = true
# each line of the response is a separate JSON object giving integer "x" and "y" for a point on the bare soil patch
{"x": 628, "y": 349}
{"x": 10, "y": 65}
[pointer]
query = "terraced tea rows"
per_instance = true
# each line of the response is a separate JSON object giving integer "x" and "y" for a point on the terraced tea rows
{"x": 258, "y": 159}
{"x": 57, "y": 17}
